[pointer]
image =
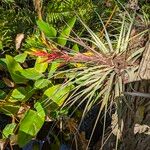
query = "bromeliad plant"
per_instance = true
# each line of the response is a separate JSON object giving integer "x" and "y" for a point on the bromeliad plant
{"x": 102, "y": 72}
{"x": 108, "y": 63}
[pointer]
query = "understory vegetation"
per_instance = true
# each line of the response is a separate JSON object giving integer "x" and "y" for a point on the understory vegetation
{"x": 74, "y": 75}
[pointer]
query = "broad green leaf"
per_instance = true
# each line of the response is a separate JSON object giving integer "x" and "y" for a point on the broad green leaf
{"x": 14, "y": 68}
{"x": 58, "y": 94}
{"x": 41, "y": 83}
{"x": 62, "y": 39}
{"x": 21, "y": 94}
{"x": 23, "y": 138}
{"x": 21, "y": 57}
{"x": 40, "y": 66}
{"x": 48, "y": 30}
{"x": 8, "y": 130}
{"x": 31, "y": 74}
{"x": 31, "y": 124}
{"x": 18, "y": 94}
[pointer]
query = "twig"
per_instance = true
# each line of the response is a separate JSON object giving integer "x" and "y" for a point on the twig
{"x": 108, "y": 21}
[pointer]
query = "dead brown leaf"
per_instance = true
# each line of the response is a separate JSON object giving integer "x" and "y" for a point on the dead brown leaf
{"x": 8, "y": 82}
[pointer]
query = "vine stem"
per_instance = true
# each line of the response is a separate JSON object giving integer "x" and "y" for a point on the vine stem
{"x": 108, "y": 21}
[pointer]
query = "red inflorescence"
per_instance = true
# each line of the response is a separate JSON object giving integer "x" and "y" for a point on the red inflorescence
{"x": 53, "y": 56}
{"x": 40, "y": 53}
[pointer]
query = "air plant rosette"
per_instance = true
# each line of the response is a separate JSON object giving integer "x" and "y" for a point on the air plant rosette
{"x": 106, "y": 69}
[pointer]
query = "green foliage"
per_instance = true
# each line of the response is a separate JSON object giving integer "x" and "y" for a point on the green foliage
{"x": 18, "y": 94}
{"x": 58, "y": 95}
{"x": 14, "y": 68}
{"x": 21, "y": 94}
{"x": 30, "y": 124}
{"x": 41, "y": 83}
{"x": 31, "y": 74}
{"x": 57, "y": 10}
{"x": 9, "y": 130}
{"x": 20, "y": 57}
{"x": 48, "y": 30}
{"x": 40, "y": 66}
{"x": 13, "y": 20}
{"x": 33, "y": 41}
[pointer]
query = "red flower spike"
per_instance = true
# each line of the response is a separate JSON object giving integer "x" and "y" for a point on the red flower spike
{"x": 40, "y": 53}
{"x": 53, "y": 56}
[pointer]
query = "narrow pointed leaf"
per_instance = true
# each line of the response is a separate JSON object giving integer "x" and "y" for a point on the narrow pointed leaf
{"x": 48, "y": 30}
{"x": 62, "y": 39}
